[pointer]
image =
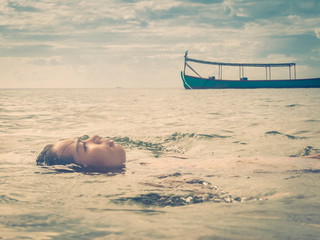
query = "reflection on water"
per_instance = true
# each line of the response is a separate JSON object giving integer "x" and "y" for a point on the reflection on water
{"x": 75, "y": 168}
{"x": 201, "y": 164}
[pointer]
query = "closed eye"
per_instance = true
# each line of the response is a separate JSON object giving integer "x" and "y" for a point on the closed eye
{"x": 83, "y": 144}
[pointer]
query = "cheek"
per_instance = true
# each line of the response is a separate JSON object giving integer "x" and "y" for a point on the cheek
{"x": 99, "y": 153}
{"x": 99, "y": 156}
{"x": 115, "y": 155}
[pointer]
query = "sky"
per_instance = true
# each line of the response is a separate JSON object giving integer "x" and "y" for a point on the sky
{"x": 141, "y": 43}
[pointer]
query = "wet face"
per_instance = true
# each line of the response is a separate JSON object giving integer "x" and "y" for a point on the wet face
{"x": 92, "y": 152}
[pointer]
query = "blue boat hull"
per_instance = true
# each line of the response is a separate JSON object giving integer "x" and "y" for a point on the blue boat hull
{"x": 190, "y": 82}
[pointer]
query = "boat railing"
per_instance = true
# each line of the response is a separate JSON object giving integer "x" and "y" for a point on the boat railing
{"x": 241, "y": 66}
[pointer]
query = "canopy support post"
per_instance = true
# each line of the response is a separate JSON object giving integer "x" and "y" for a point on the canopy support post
{"x": 242, "y": 72}
{"x": 220, "y": 72}
{"x": 269, "y": 72}
{"x": 290, "y": 72}
{"x": 266, "y": 73}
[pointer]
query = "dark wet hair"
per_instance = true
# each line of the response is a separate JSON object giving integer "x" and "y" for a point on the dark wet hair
{"x": 48, "y": 157}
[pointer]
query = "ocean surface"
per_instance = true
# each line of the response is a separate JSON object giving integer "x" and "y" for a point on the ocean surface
{"x": 201, "y": 164}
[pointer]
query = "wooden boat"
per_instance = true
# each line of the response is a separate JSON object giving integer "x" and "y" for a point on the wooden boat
{"x": 198, "y": 82}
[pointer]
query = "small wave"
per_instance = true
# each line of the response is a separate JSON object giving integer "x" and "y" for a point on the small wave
{"x": 174, "y": 200}
{"x": 156, "y": 148}
{"x": 312, "y": 120}
{"x": 282, "y": 134}
{"x": 142, "y": 211}
{"x": 301, "y": 132}
{"x": 178, "y": 136}
{"x": 165, "y": 144}
{"x": 293, "y": 105}
{"x": 30, "y": 116}
{"x": 6, "y": 199}
{"x": 310, "y": 219}
{"x": 307, "y": 170}
{"x": 32, "y": 220}
{"x": 176, "y": 174}
{"x": 212, "y": 136}
{"x": 177, "y": 189}
{"x": 17, "y": 117}
{"x": 308, "y": 150}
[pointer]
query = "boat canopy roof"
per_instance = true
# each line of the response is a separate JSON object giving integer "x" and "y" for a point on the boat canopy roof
{"x": 240, "y": 64}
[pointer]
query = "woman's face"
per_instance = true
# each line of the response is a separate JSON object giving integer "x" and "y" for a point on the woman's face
{"x": 92, "y": 152}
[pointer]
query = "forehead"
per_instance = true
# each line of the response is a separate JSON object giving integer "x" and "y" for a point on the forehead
{"x": 62, "y": 145}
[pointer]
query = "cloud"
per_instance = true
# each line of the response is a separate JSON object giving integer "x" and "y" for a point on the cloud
{"x": 21, "y": 7}
{"x": 268, "y": 9}
{"x": 26, "y": 50}
{"x": 317, "y": 32}
{"x": 208, "y": 2}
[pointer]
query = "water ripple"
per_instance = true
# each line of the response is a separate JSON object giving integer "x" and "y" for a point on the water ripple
{"x": 282, "y": 134}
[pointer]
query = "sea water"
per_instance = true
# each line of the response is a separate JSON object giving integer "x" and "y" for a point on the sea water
{"x": 201, "y": 164}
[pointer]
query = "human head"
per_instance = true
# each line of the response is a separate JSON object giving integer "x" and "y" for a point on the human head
{"x": 93, "y": 152}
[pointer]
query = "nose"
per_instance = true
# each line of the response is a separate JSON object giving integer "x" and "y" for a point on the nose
{"x": 95, "y": 139}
